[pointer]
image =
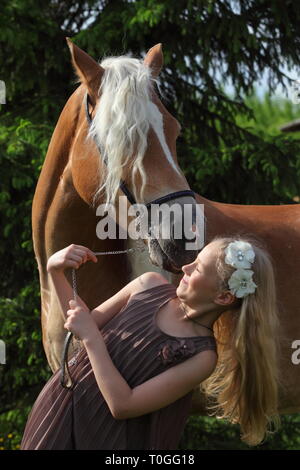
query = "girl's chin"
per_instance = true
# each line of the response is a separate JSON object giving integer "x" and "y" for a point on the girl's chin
{"x": 182, "y": 286}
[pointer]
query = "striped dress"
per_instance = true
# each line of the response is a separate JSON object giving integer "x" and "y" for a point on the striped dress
{"x": 80, "y": 418}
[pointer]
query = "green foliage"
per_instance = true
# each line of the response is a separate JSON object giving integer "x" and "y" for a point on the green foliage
{"x": 22, "y": 149}
{"x": 20, "y": 326}
{"x": 230, "y": 148}
{"x": 26, "y": 368}
{"x": 206, "y": 433}
{"x": 9, "y": 441}
{"x": 225, "y": 170}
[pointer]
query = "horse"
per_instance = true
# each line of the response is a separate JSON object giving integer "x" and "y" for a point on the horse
{"x": 64, "y": 194}
{"x": 113, "y": 136}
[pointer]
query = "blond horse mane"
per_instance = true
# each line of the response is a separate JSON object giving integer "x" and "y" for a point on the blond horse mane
{"x": 122, "y": 120}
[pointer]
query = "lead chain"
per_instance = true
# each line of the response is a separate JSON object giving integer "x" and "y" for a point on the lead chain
{"x": 77, "y": 346}
{"x": 96, "y": 253}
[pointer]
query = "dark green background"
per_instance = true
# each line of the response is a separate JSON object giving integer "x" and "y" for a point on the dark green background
{"x": 230, "y": 150}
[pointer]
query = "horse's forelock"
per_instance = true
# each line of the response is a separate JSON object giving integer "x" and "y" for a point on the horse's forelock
{"x": 122, "y": 120}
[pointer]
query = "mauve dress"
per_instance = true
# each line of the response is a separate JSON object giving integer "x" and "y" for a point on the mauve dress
{"x": 80, "y": 419}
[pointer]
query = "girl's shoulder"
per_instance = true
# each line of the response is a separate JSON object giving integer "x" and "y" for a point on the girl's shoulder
{"x": 148, "y": 281}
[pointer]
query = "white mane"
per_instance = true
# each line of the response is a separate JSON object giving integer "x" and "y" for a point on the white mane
{"x": 122, "y": 121}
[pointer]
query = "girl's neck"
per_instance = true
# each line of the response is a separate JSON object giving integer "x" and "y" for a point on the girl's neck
{"x": 199, "y": 320}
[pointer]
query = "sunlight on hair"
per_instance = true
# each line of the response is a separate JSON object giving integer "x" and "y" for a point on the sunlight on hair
{"x": 122, "y": 122}
{"x": 245, "y": 385}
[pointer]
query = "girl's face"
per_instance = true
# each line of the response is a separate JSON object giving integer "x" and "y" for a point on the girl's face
{"x": 199, "y": 285}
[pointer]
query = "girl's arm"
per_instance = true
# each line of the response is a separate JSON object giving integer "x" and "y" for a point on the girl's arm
{"x": 64, "y": 291}
{"x": 123, "y": 401}
{"x": 73, "y": 256}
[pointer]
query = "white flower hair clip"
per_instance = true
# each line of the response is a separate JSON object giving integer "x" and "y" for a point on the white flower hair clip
{"x": 240, "y": 255}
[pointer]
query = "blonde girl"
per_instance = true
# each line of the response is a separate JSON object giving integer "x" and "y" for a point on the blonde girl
{"x": 148, "y": 347}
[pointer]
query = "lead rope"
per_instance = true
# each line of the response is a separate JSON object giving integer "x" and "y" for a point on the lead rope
{"x": 64, "y": 361}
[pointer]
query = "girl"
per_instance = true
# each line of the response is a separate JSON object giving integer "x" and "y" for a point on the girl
{"x": 149, "y": 346}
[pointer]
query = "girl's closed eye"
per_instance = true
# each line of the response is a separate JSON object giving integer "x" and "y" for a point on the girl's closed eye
{"x": 198, "y": 268}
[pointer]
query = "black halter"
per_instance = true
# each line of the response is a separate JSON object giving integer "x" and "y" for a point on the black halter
{"x": 122, "y": 185}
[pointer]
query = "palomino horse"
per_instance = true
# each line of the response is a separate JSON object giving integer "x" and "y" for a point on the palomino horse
{"x": 133, "y": 146}
{"x": 62, "y": 203}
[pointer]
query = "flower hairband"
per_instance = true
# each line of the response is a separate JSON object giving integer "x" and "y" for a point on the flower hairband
{"x": 240, "y": 255}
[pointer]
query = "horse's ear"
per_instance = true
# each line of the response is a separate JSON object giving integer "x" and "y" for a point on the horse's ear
{"x": 155, "y": 59}
{"x": 87, "y": 69}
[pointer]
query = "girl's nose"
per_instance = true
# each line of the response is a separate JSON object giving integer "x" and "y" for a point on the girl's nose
{"x": 187, "y": 268}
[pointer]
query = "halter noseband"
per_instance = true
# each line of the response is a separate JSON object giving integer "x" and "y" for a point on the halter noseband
{"x": 122, "y": 184}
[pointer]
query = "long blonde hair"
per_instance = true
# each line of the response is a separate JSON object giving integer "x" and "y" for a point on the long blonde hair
{"x": 244, "y": 387}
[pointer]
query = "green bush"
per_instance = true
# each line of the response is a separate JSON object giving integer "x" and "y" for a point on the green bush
{"x": 22, "y": 148}
{"x": 207, "y": 433}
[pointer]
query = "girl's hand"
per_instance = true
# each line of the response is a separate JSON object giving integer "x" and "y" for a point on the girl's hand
{"x": 73, "y": 256}
{"x": 80, "y": 322}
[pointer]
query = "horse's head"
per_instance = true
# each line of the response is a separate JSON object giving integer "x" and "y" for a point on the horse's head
{"x": 125, "y": 139}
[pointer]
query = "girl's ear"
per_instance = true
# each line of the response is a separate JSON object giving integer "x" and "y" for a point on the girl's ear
{"x": 225, "y": 298}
